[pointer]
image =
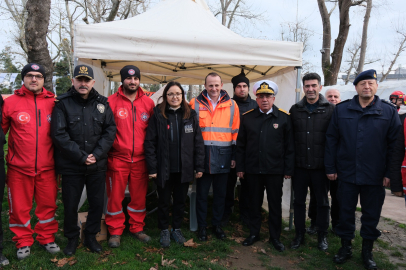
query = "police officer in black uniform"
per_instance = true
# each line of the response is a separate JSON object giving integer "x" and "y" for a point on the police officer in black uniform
{"x": 360, "y": 140}
{"x": 265, "y": 156}
{"x": 245, "y": 103}
{"x": 83, "y": 130}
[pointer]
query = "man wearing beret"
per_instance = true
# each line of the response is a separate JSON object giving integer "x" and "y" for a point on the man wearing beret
{"x": 30, "y": 162}
{"x": 241, "y": 96}
{"x": 83, "y": 130}
{"x": 310, "y": 118}
{"x": 265, "y": 156}
{"x": 360, "y": 141}
{"x": 132, "y": 110}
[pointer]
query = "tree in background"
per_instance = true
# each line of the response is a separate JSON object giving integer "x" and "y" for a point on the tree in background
{"x": 63, "y": 75}
{"x": 7, "y": 66}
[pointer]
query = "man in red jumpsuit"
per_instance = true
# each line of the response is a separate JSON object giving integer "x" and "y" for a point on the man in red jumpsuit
{"x": 132, "y": 110}
{"x": 30, "y": 161}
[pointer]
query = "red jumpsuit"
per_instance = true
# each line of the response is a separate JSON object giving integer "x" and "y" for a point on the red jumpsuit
{"x": 126, "y": 163}
{"x": 30, "y": 165}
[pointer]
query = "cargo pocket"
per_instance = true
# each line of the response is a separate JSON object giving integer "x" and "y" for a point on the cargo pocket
{"x": 75, "y": 127}
{"x": 224, "y": 161}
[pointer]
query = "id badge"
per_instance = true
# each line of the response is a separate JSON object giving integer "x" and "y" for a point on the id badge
{"x": 188, "y": 129}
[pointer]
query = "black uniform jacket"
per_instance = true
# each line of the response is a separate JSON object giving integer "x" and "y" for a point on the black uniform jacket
{"x": 310, "y": 132}
{"x": 265, "y": 143}
{"x": 245, "y": 105}
{"x": 80, "y": 127}
{"x": 156, "y": 147}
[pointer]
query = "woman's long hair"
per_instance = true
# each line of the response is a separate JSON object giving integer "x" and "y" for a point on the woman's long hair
{"x": 185, "y": 106}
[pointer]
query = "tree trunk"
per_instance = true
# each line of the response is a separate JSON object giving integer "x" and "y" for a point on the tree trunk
{"x": 36, "y": 29}
{"x": 326, "y": 46}
{"x": 364, "y": 37}
{"x": 114, "y": 10}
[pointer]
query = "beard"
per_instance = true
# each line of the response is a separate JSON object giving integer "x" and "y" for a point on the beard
{"x": 128, "y": 89}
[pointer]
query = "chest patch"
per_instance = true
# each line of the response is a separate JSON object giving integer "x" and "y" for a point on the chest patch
{"x": 23, "y": 117}
{"x": 100, "y": 108}
{"x": 49, "y": 118}
{"x": 275, "y": 126}
{"x": 188, "y": 128}
{"x": 122, "y": 113}
{"x": 203, "y": 109}
{"x": 144, "y": 116}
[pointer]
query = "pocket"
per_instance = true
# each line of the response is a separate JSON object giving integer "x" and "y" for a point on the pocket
{"x": 380, "y": 122}
{"x": 75, "y": 127}
{"x": 97, "y": 126}
{"x": 225, "y": 158}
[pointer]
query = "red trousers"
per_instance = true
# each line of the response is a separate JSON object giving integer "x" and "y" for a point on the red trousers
{"x": 119, "y": 174}
{"x": 21, "y": 190}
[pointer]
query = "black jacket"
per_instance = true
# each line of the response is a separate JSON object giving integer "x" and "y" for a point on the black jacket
{"x": 398, "y": 155}
{"x": 265, "y": 143}
{"x": 245, "y": 105}
{"x": 156, "y": 147}
{"x": 310, "y": 132}
{"x": 81, "y": 127}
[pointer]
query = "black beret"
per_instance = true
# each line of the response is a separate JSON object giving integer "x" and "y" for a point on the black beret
{"x": 239, "y": 79}
{"x": 365, "y": 75}
{"x": 32, "y": 67}
{"x": 129, "y": 71}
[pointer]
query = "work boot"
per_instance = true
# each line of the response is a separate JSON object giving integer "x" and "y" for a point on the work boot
{"x": 218, "y": 232}
{"x": 70, "y": 248}
{"x": 322, "y": 239}
{"x": 277, "y": 244}
{"x": 165, "y": 239}
{"x": 114, "y": 241}
{"x": 202, "y": 234}
{"x": 367, "y": 256}
{"x": 312, "y": 229}
{"x": 299, "y": 240}
{"x": 142, "y": 236}
{"x": 344, "y": 253}
{"x": 92, "y": 244}
{"x": 51, "y": 247}
{"x": 3, "y": 260}
{"x": 177, "y": 235}
{"x": 250, "y": 240}
{"x": 23, "y": 252}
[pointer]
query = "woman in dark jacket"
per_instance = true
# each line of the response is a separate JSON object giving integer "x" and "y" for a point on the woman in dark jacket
{"x": 174, "y": 148}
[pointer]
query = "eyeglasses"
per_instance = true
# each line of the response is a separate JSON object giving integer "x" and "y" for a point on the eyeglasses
{"x": 31, "y": 76}
{"x": 174, "y": 94}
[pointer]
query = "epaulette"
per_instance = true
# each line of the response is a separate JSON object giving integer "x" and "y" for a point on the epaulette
{"x": 343, "y": 101}
{"x": 102, "y": 99}
{"x": 388, "y": 102}
{"x": 248, "y": 111}
{"x": 64, "y": 95}
{"x": 282, "y": 110}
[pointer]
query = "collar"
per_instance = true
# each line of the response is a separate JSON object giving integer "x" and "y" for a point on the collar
{"x": 271, "y": 110}
{"x": 212, "y": 100}
{"x": 322, "y": 102}
{"x": 374, "y": 108}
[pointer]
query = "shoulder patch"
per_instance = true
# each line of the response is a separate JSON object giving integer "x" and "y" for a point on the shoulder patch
{"x": 282, "y": 110}
{"x": 248, "y": 111}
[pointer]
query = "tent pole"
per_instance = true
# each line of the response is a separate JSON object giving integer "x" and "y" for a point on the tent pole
{"x": 297, "y": 90}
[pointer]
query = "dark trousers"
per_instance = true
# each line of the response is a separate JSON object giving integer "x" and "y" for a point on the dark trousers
{"x": 334, "y": 209}
{"x": 273, "y": 184}
{"x": 371, "y": 199}
{"x": 72, "y": 188}
{"x": 2, "y": 185}
{"x": 178, "y": 190}
{"x": 318, "y": 181}
{"x": 243, "y": 198}
{"x": 203, "y": 184}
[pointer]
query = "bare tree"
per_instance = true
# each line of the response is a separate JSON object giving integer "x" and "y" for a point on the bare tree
{"x": 401, "y": 41}
{"x": 331, "y": 67}
{"x": 364, "y": 37}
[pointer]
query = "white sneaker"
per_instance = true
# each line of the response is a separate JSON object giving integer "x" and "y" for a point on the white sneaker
{"x": 51, "y": 247}
{"x": 23, "y": 252}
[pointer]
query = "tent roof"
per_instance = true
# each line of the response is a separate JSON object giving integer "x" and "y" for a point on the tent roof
{"x": 182, "y": 40}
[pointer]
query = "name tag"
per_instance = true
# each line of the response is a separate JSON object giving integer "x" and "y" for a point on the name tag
{"x": 188, "y": 129}
{"x": 203, "y": 109}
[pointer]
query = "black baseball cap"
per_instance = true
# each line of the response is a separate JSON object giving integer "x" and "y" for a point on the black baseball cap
{"x": 83, "y": 71}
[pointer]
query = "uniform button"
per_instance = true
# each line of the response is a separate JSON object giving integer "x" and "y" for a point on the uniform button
{"x": 261, "y": 131}
{"x": 309, "y": 117}
{"x": 85, "y": 141}
{"x": 85, "y": 124}
{"x": 359, "y": 130}
{"x": 308, "y": 165}
{"x": 84, "y": 107}
{"x": 308, "y": 148}
{"x": 308, "y": 132}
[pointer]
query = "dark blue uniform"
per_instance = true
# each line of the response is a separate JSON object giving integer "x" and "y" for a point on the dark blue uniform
{"x": 359, "y": 142}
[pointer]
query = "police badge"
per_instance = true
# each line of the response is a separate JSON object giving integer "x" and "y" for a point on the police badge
{"x": 100, "y": 107}
{"x": 275, "y": 126}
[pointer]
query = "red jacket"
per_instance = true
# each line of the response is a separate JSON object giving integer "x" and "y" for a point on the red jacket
{"x": 132, "y": 121}
{"x": 28, "y": 116}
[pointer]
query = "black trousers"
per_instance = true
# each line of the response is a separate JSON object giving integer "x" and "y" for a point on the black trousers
{"x": 178, "y": 190}
{"x": 334, "y": 209}
{"x": 203, "y": 184}
{"x": 2, "y": 185}
{"x": 243, "y": 198}
{"x": 318, "y": 181}
{"x": 273, "y": 184}
{"x": 371, "y": 199}
{"x": 72, "y": 188}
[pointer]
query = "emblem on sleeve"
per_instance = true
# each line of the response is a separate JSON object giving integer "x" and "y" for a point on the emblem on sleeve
{"x": 122, "y": 113}
{"x": 100, "y": 107}
{"x": 144, "y": 117}
{"x": 49, "y": 118}
{"x": 23, "y": 117}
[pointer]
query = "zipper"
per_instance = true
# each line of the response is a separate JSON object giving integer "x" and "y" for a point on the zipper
{"x": 171, "y": 132}
{"x": 36, "y": 139}
{"x": 39, "y": 117}
{"x": 134, "y": 119}
{"x": 177, "y": 128}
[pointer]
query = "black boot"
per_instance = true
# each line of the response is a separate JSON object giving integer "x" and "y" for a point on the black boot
{"x": 312, "y": 229}
{"x": 92, "y": 244}
{"x": 344, "y": 253}
{"x": 322, "y": 239}
{"x": 299, "y": 240}
{"x": 70, "y": 248}
{"x": 367, "y": 256}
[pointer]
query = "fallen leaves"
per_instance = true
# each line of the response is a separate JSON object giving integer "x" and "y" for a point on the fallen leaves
{"x": 168, "y": 262}
{"x": 154, "y": 267}
{"x": 190, "y": 243}
{"x": 186, "y": 263}
{"x": 237, "y": 239}
{"x": 154, "y": 250}
{"x": 63, "y": 261}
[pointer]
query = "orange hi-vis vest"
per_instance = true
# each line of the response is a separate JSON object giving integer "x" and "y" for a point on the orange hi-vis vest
{"x": 219, "y": 130}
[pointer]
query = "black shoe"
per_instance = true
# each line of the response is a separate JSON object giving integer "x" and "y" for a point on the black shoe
{"x": 202, "y": 234}
{"x": 92, "y": 244}
{"x": 277, "y": 244}
{"x": 367, "y": 256}
{"x": 322, "y": 239}
{"x": 312, "y": 229}
{"x": 344, "y": 253}
{"x": 218, "y": 232}
{"x": 250, "y": 240}
{"x": 70, "y": 248}
{"x": 299, "y": 240}
{"x": 225, "y": 220}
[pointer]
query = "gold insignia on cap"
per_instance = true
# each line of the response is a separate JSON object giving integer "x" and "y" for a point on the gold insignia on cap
{"x": 265, "y": 89}
{"x": 374, "y": 75}
{"x": 83, "y": 70}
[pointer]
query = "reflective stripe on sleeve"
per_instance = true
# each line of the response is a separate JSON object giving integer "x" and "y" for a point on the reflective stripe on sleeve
{"x": 234, "y": 131}
{"x": 136, "y": 211}
{"x": 232, "y": 108}
{"x": 19, "y": 225}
